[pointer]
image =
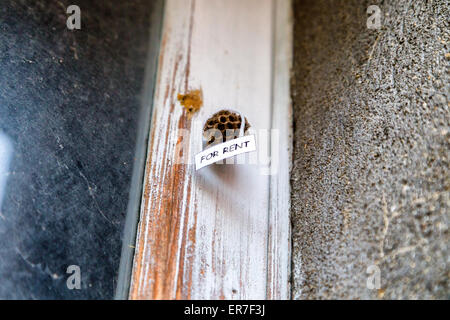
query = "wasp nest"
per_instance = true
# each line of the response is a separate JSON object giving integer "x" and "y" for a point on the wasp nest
{"x": 226, "y": 122}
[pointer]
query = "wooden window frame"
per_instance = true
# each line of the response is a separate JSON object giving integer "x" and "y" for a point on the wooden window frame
{"x": 222, "y": 232}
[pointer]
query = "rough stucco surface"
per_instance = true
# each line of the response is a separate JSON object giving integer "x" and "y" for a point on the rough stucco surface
{"x": 370, "y": 179}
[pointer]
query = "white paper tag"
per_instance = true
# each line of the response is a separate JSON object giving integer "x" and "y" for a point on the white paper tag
{"x": 225, "y": 150}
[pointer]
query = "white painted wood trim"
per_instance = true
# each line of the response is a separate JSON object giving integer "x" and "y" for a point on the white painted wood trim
{"x": 221, "y": 232}
{"x": 279, "y": 247}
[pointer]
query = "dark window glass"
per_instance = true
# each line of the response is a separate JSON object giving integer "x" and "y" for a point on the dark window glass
{"x": 70, "y": 106}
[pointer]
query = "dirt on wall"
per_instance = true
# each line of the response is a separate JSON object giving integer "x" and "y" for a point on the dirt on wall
{"x": 370, "y": 179}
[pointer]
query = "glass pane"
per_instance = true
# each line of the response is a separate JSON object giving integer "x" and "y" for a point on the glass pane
{"x": 70, "y": 109}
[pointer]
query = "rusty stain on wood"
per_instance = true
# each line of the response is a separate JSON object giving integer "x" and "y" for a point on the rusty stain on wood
{"x": 164, "y": 199}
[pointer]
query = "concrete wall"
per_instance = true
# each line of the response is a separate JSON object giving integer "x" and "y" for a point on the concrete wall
{"x": 370, "y": 180}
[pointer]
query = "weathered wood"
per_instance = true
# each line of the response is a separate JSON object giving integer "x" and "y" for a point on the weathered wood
{"x": 220, "y": 232}
{"x": 279, "y": 260}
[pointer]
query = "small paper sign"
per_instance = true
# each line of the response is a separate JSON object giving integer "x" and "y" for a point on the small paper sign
{"x": 225, "y": 150}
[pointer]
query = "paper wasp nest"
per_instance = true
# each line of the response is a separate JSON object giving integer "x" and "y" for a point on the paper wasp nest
{"x": 222, "y": 121}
